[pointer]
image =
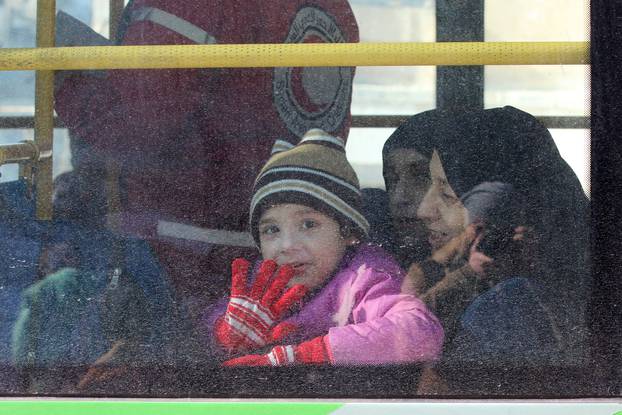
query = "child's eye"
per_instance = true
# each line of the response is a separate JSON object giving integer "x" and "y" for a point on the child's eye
{"x": 268, "y": 230}
{"x": 309, "y": 224}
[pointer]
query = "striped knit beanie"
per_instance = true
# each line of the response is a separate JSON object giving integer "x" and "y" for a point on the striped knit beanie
{"x": 314, "y": 173}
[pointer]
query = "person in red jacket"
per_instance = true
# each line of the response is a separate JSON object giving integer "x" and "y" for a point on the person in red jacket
{"x": 189, "y": 142}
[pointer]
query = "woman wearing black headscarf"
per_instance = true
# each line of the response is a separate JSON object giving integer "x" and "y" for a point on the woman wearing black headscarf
{"x": 505, "y": 222}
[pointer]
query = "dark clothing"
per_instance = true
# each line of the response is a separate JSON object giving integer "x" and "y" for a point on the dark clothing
{"x": 505, "y": 148}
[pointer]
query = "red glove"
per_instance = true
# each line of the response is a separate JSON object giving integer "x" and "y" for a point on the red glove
{"x": 251, "y": 317}
{"x": 314, "y": 351}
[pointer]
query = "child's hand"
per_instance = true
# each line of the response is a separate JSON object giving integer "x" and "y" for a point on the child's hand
{"x": 250, "y": 320}
{"x": 314, "y": 351}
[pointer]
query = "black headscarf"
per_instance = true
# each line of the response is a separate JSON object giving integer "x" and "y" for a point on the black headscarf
{"x": 510, "y": 146}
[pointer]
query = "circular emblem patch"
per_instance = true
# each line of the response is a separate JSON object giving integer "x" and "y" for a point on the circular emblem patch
{"x": 315, "y": 97}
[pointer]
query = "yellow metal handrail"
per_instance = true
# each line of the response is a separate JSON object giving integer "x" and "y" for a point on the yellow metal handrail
{"x": 46, "y": 58}
{"x": 358, "y": 121}
{"x": 310, "y": 54}
{"x": 44, "y": 111}
{"x": 26, "y": 151}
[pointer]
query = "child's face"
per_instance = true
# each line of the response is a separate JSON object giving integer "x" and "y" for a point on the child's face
{"x": 301, "y": 236}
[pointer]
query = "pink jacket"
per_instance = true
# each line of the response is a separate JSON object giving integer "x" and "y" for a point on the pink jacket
{"x": 367, "y": 319}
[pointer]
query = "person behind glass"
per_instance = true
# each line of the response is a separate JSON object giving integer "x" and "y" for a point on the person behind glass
{"x": 57, "y": 325}
{"x": 506, "y": 221}
{"x": 182, "y": 139}
{"x": 321, "y": 294}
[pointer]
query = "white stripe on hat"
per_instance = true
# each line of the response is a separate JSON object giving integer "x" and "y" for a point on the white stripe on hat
{"x": 311, "y": 171}
{"x": 315, "y": 191}
{"x": 320, "y": 135}
{"x": 280, "y": 146}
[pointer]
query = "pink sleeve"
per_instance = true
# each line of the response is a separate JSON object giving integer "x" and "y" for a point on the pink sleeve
{"x": 386, "y": 328}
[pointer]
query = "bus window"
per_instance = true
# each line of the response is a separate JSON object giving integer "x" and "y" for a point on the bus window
{"x": 164, "y": 176}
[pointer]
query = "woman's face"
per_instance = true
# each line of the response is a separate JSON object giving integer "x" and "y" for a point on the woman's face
{"x": 441, "y": 210}
{"x": 408, "y": 179}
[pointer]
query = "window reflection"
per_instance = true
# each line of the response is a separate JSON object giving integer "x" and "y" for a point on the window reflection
{"x": 121, "y": 285}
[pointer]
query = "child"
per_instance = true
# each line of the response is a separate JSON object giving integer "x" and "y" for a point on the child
{"x": 306, "y": 217}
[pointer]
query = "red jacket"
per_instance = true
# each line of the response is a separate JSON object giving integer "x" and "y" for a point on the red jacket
{"x": 191, "y": 141}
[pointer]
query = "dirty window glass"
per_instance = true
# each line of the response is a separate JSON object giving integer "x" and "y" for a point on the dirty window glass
{"x": 392, "y": 245}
